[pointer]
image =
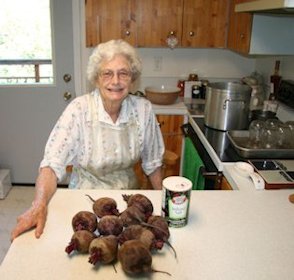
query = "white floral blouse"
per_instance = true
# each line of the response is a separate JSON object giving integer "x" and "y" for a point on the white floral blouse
{"x": 70, "y": 141}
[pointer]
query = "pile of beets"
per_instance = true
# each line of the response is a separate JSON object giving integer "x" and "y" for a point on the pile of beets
{"x": 129, "y": 237}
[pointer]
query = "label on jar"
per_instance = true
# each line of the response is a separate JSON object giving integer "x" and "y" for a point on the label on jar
{"x": 176, "y": 200}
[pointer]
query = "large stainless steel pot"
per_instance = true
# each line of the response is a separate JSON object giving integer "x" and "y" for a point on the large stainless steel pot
{"x": 227, "y": 106}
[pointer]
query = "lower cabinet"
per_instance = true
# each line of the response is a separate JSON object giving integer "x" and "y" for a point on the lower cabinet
{"x": 170, "y": 126}
{"x": 225, "y": 185}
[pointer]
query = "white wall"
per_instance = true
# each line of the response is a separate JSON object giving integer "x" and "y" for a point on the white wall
{"x": 211, "y": 64}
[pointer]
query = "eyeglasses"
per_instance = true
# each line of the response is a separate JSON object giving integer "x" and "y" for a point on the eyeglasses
{"x": 122, "y": 75}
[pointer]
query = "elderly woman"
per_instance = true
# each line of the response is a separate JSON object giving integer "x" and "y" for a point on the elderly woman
{"x": 102, "y": 134}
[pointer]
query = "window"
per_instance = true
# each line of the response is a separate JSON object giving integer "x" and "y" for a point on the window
{"x": 25, "y": 42}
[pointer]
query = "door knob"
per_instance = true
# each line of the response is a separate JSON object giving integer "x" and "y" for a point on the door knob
{"x": 67, "y": 95}
{"x": 67, "y": 78}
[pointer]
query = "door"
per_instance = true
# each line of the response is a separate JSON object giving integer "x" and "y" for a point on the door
{"x": 205, "y": 23}
{"x": 158, "y": 20}
{"x": 106, "y": 20}
{"x": 28, "y": 113}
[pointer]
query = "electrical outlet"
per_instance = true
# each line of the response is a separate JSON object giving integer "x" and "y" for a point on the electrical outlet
{"x": 157, "y": 66}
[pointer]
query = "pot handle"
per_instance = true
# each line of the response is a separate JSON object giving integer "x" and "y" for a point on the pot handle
{"x": 232, "y": 100}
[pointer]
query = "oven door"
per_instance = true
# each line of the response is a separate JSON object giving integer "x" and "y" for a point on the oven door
{"x": 205, "y": 170}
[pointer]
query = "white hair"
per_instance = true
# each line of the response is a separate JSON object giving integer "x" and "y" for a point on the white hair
{"x": 106, "y": 51}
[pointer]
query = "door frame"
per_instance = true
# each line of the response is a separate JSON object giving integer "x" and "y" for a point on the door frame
{"x": 80, "y": 51}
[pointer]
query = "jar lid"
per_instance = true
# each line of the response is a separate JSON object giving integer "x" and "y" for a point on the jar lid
{"x": 177, "y": 183}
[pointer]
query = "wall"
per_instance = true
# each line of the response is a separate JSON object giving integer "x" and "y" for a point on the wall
{"x": 166, "y": 66}
{"x": 265, "y": 66}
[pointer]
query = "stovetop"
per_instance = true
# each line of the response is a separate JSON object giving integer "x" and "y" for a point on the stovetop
{"x": 219, "y": 141}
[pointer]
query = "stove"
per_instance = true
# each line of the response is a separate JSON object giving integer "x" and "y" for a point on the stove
{"x": 216, "y": 142}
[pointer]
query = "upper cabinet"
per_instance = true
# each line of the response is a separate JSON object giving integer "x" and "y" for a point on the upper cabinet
{"x": 158, "y": 19}
{"x": 260, "y": 34}
{"x": 110, "y": 19}
{"x": 239, "y": 32}
{"x": 205, "y": 23}
{"x": 153, "y": 23}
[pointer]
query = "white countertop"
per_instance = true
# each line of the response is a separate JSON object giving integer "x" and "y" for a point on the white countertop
{"x": 178, "y": 108}
{"x": 230, "y": 235}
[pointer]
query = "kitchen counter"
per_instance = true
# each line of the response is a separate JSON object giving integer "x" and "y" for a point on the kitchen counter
{"x": 178, "y": 108}
{"x": 230, "y": 235}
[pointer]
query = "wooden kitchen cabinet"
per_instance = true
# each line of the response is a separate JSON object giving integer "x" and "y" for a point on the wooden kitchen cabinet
{"x": 225, "y": 185}
{"x": 170, "y": 126}
{"x": 106, "y": 20}
{"x": 239, "y": 31}
{"x": 157, "y": 19}
{"x": 205, "y": 23}
{"x": 148, "y": 23}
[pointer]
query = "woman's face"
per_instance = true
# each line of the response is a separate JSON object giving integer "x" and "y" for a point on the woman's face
{"x": 114, "y": 79}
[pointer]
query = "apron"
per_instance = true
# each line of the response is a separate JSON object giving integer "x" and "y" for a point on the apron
{"x": 115, "y": 150}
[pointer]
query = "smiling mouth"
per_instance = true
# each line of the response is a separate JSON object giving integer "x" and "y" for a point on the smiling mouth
{"x": 115, "y": 89}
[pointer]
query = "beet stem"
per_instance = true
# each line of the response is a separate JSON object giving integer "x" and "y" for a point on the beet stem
{"x": 173, "y": 249}
{"x": 113, "y": 265}
{"x": 160, "y": 271}
{"x": 93, "y": 200}
{"x": 71, "y": 247}
{"x": 95, "y": 256}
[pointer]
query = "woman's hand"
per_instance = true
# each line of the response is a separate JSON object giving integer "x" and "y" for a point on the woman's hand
{"x": 35, "y": 216}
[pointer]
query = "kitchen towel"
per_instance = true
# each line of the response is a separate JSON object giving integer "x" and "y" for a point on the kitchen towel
{"x": 191, "y": 165}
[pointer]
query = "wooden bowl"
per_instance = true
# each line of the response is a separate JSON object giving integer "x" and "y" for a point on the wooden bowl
{"x": 162, "y": 95}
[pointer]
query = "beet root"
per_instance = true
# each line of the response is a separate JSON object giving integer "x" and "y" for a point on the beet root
{"x": 104, "y": 206}
{"x": 103, "y": 249}
{"x": 141, "y": 201}
{"x": 110, "y": 225}
{"x": 135, "y": 258}
{"x": 140, "y": 233}
{"x": 80, "y": 241}
{"x": 84, "y": 220}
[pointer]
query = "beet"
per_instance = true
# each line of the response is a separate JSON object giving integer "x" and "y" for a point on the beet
{"x": 159, "y": 222}
{"x": 84, "y": 220}
{"x": 141, "y": 201}
{"x": 135, "y": 258}
{"x": 103, "y": 249}
{"x": 80, "y": 241}
{"x": 132, "y": 216}
{"x": 140, "y": 233}
{"x": 110, "y": 225}
{"x": 161, "y": 232}
{"x": 104, "y": 206}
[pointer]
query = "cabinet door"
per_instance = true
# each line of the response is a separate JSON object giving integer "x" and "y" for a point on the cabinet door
{"x": 106, "y": 20}
{"x": 239, "y": 32}
{"x": 205, "y": 23}
{"x": 225, "y": 186}
{"x": 156, "y": 19}
{"x": 172, "y": 135}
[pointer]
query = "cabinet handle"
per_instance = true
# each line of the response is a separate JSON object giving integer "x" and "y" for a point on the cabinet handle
{"x": 128, "y": 33}
{"x": 191, "y": 33}
{"x": 172, "y": 33}
{"x": 242, "y": 36}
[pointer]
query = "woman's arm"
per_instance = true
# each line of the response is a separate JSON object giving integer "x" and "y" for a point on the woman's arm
{"x": 156, "y": 179}
{"x": 36, "y": 215}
